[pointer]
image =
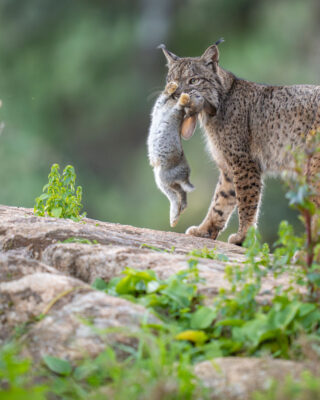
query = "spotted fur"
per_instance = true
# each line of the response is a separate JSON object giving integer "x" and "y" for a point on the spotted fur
{"x": 249, "y": 128}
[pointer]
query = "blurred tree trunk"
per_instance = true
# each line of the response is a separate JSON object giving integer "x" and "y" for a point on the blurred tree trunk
{"x": 154, "y": 28}
{"x": 310, "y": 45}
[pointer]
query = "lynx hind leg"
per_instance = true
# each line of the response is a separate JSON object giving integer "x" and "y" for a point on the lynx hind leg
{"x": 248, "y": 185}
{"x": 171, "y": 87}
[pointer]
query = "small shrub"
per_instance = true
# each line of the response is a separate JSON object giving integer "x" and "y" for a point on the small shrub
{"x": 60, "y": 198}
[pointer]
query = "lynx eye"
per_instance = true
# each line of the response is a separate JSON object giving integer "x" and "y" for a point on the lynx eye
{"x": 194, "y": 81}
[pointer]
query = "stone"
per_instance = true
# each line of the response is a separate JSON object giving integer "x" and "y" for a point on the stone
{"x": 23, "y": 300}
{"x": 236, "y": 378}
{"x": 46, "y": 298}
{"x": 85, "y": 325}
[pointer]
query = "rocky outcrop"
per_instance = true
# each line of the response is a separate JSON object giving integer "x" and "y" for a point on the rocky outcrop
{"x": 47, "y": 267}
{"x": 237, "y": 378}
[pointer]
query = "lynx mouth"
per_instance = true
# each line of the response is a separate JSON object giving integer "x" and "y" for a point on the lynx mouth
{"x": 209, "y": 108}
{"x": 189, "y": 122}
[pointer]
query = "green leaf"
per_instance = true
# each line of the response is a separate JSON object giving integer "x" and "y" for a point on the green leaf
{"x": 125, "y": 285}
{"x": 58, "y": 365}
{"x": 306, "y": 308}
{"x": 56, "y": 212}
{"x": 222, "y": 257}
{"x": 152, "y": 286}
{"x": 179, "y": 292}
{"x": 83, "y": 371}
{"x": 99, "y": 284}
{"x": 280, "y": 319}
{"x": 202, "y": 318}
{"x": 252, "y": 331}
{"x": 212, "y": 349}
{"x": 135, "y": 281}
{"x": 230, "y": 345}
{"x": 310, "y": 320}
{"x": 43, "y": 196}
{"x": 230, "y": 322}
{"x": 269, "y": 334}
{"x": 197, "y": 337}
{"x": 314, "y": 277}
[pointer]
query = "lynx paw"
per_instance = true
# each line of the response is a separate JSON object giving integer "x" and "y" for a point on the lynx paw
{"x": 236, "y": 238}
{"x": 184, "y": 99}
{"x": 196, "y": 231}
{"x": 171, "y": 87}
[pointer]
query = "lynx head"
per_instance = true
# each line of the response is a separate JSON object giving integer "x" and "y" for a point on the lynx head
{"x": 198, "y": 73}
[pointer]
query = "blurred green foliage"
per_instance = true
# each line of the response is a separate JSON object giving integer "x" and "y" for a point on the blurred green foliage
{"x": 78, "y": 79}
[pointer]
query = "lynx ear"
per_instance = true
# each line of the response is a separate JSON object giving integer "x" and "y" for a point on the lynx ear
{"x": 188, "y": 127}
{"x": 171, "y": 58}
{"x": 211, "y": 55}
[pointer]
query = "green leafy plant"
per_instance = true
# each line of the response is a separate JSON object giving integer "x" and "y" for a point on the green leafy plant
{"x": 208, "y": 253}
{"x": 157, "y": 368}
{"x": 60, "y": 198}
{"x": 154, "y": 248}
{"x": 16, "y": 376}
{"x": 236, "y": 322}
{"x": 307, "y": 388}
{"x": 303, "y": 188}
{"x": 172, "y": 299}
{"x": 58, "y": 365}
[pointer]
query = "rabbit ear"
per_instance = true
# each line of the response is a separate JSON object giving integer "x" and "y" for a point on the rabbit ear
{"x": 188, "y": 127}
{"x": 171, "y": 58}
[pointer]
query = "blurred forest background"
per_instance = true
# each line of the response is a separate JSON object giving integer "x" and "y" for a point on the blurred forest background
{"x": 78, "y": 80}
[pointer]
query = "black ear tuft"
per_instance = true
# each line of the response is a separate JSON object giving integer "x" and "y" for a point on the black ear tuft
{"x": 171, "y": 58}
{"x": 221, "y": 40}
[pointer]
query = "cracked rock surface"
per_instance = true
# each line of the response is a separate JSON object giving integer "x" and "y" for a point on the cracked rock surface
{"x": 45, "y": 290}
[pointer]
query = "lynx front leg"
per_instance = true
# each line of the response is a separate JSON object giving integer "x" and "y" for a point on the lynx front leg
{"x": 247, "y": 181}
{"x": 222, "y": 205}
